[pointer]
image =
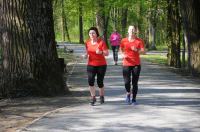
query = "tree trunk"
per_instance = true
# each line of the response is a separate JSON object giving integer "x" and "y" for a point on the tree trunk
{"x": 191, "y": 21}
{"x": 124, "y": 21}
{"x": 173, "y": 34}
{"x": 30, "y": 61}
{"x": 152, "y": 37}
{"x": 153, "y": 24}
{"x": 102, "y": 20}
{"x": 63, "y": 20}
{"x": 184, "y": 50}
{"x": 177, "y": 34}
{"x": 66, "y": 29}
{"x": 81, "y": 40}
{"x": 100, "y": 17}
{"x": 45, "y": 65}
{"x": 15, "y": 53}
{"x": 106, "y": 29}
{"x": 118, "y": 18}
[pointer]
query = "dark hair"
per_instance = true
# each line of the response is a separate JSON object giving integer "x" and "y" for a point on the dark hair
{"x": 95, "y": 29}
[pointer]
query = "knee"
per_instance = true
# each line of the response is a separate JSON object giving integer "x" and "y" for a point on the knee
{"x": 135, "y": 85}
{"x": 127, "y": 81}
{"x": 91, "y": 83}
{"x": 100, "y": 84}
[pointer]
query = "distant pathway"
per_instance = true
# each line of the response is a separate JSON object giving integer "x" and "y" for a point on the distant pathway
{"x": 167, "y": 103}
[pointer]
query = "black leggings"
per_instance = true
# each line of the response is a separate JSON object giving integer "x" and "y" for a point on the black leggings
{"x": 92, "y": 71}
{"x": 115, "y": 50}
{"x": 135, "y": 72}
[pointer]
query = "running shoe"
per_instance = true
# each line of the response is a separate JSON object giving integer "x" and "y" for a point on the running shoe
{"x": 101, "y": 99}
{"x": 128, "y": 99}
{"x": 134, "y": 102}
{"x": 93, "y": 100}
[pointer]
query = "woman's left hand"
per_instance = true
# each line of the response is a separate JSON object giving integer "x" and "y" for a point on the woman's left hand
{"x": 99, "y": 51}
{"x": 134, "y": 48}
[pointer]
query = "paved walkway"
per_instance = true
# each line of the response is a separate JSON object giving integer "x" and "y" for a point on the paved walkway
{"x": 167, "y": 103}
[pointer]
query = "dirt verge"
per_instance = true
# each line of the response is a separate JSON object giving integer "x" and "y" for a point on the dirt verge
{"x": 17, "y": 113}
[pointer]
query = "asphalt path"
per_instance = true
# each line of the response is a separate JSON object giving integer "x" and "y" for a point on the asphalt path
{"x": 167, "y": 102}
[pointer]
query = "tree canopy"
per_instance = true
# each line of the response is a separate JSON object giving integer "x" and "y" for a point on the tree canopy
{"x": 29, "y": 31}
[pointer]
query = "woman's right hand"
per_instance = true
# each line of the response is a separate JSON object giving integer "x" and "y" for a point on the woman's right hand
{"x": 99, "y": 51}
{"x": 133, "y": 48}
{"x": 124, "y": 56}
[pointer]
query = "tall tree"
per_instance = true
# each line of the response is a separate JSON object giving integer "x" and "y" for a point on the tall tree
{"x": 191, "y": 21}
{"x": 30, "y": 61}
{"x": 153, "y": 24}
{"x": 124, "y": 20}
{"x": 81, "y": 40}
{"x": 174, "y": 28}
{"x": 100, "y": 17}
{"x": 63, "y": 20}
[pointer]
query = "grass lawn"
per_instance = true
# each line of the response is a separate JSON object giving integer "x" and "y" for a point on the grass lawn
{"x": 68, "y": 57}
{"x": 155, "y": 58}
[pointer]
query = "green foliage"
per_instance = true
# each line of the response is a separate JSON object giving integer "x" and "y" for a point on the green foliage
{"x": 161, "y": 47}
{"x": 156, "y": 58}
{"x": 139, "y": 13}
{"x": 68, "y": 57}
{"x": 160, "y": 58}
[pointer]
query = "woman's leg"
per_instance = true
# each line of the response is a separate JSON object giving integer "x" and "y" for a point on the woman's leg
{"x": 127, "y": 81}
{"x": 135, "y": 77}
{"x": 127, "y": 78}
{"x": 100, "y": 78}
{"x": 92, "y": 91}
{"x": 114, "y": 54}
{"x": 91, "y": 71}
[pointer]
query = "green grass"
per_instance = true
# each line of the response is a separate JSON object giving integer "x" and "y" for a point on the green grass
{"x": 158, "y": 59}
{"x": 68, "y": 57}
{"x": 161, "y": 47}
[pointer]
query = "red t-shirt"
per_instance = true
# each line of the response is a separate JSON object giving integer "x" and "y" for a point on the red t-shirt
{"x": 132, "y": 58}
{"x": 93, "y": 58}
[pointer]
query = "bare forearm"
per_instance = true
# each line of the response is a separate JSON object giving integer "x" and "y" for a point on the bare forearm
{"x": 142, "y": 51}
{"x": 105, "y": 52}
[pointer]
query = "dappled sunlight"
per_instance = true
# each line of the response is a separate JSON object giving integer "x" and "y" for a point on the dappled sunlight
{"x": 166, "y": 102}
{"x": 118, "y": 117}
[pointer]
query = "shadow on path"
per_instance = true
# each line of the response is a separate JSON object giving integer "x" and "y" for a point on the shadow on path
{"x": 167, "y": 103}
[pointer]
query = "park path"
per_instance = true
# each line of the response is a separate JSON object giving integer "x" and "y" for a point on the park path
{"x": 167, "y": 103}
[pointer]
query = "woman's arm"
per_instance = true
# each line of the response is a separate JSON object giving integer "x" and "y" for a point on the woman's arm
{"x": 122, "y": 52}
{"x": 105, "y": 52}
{"x": 142, "y": 51}
{"x": 85, "y": 55}
{"x": 139, "y": 50}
